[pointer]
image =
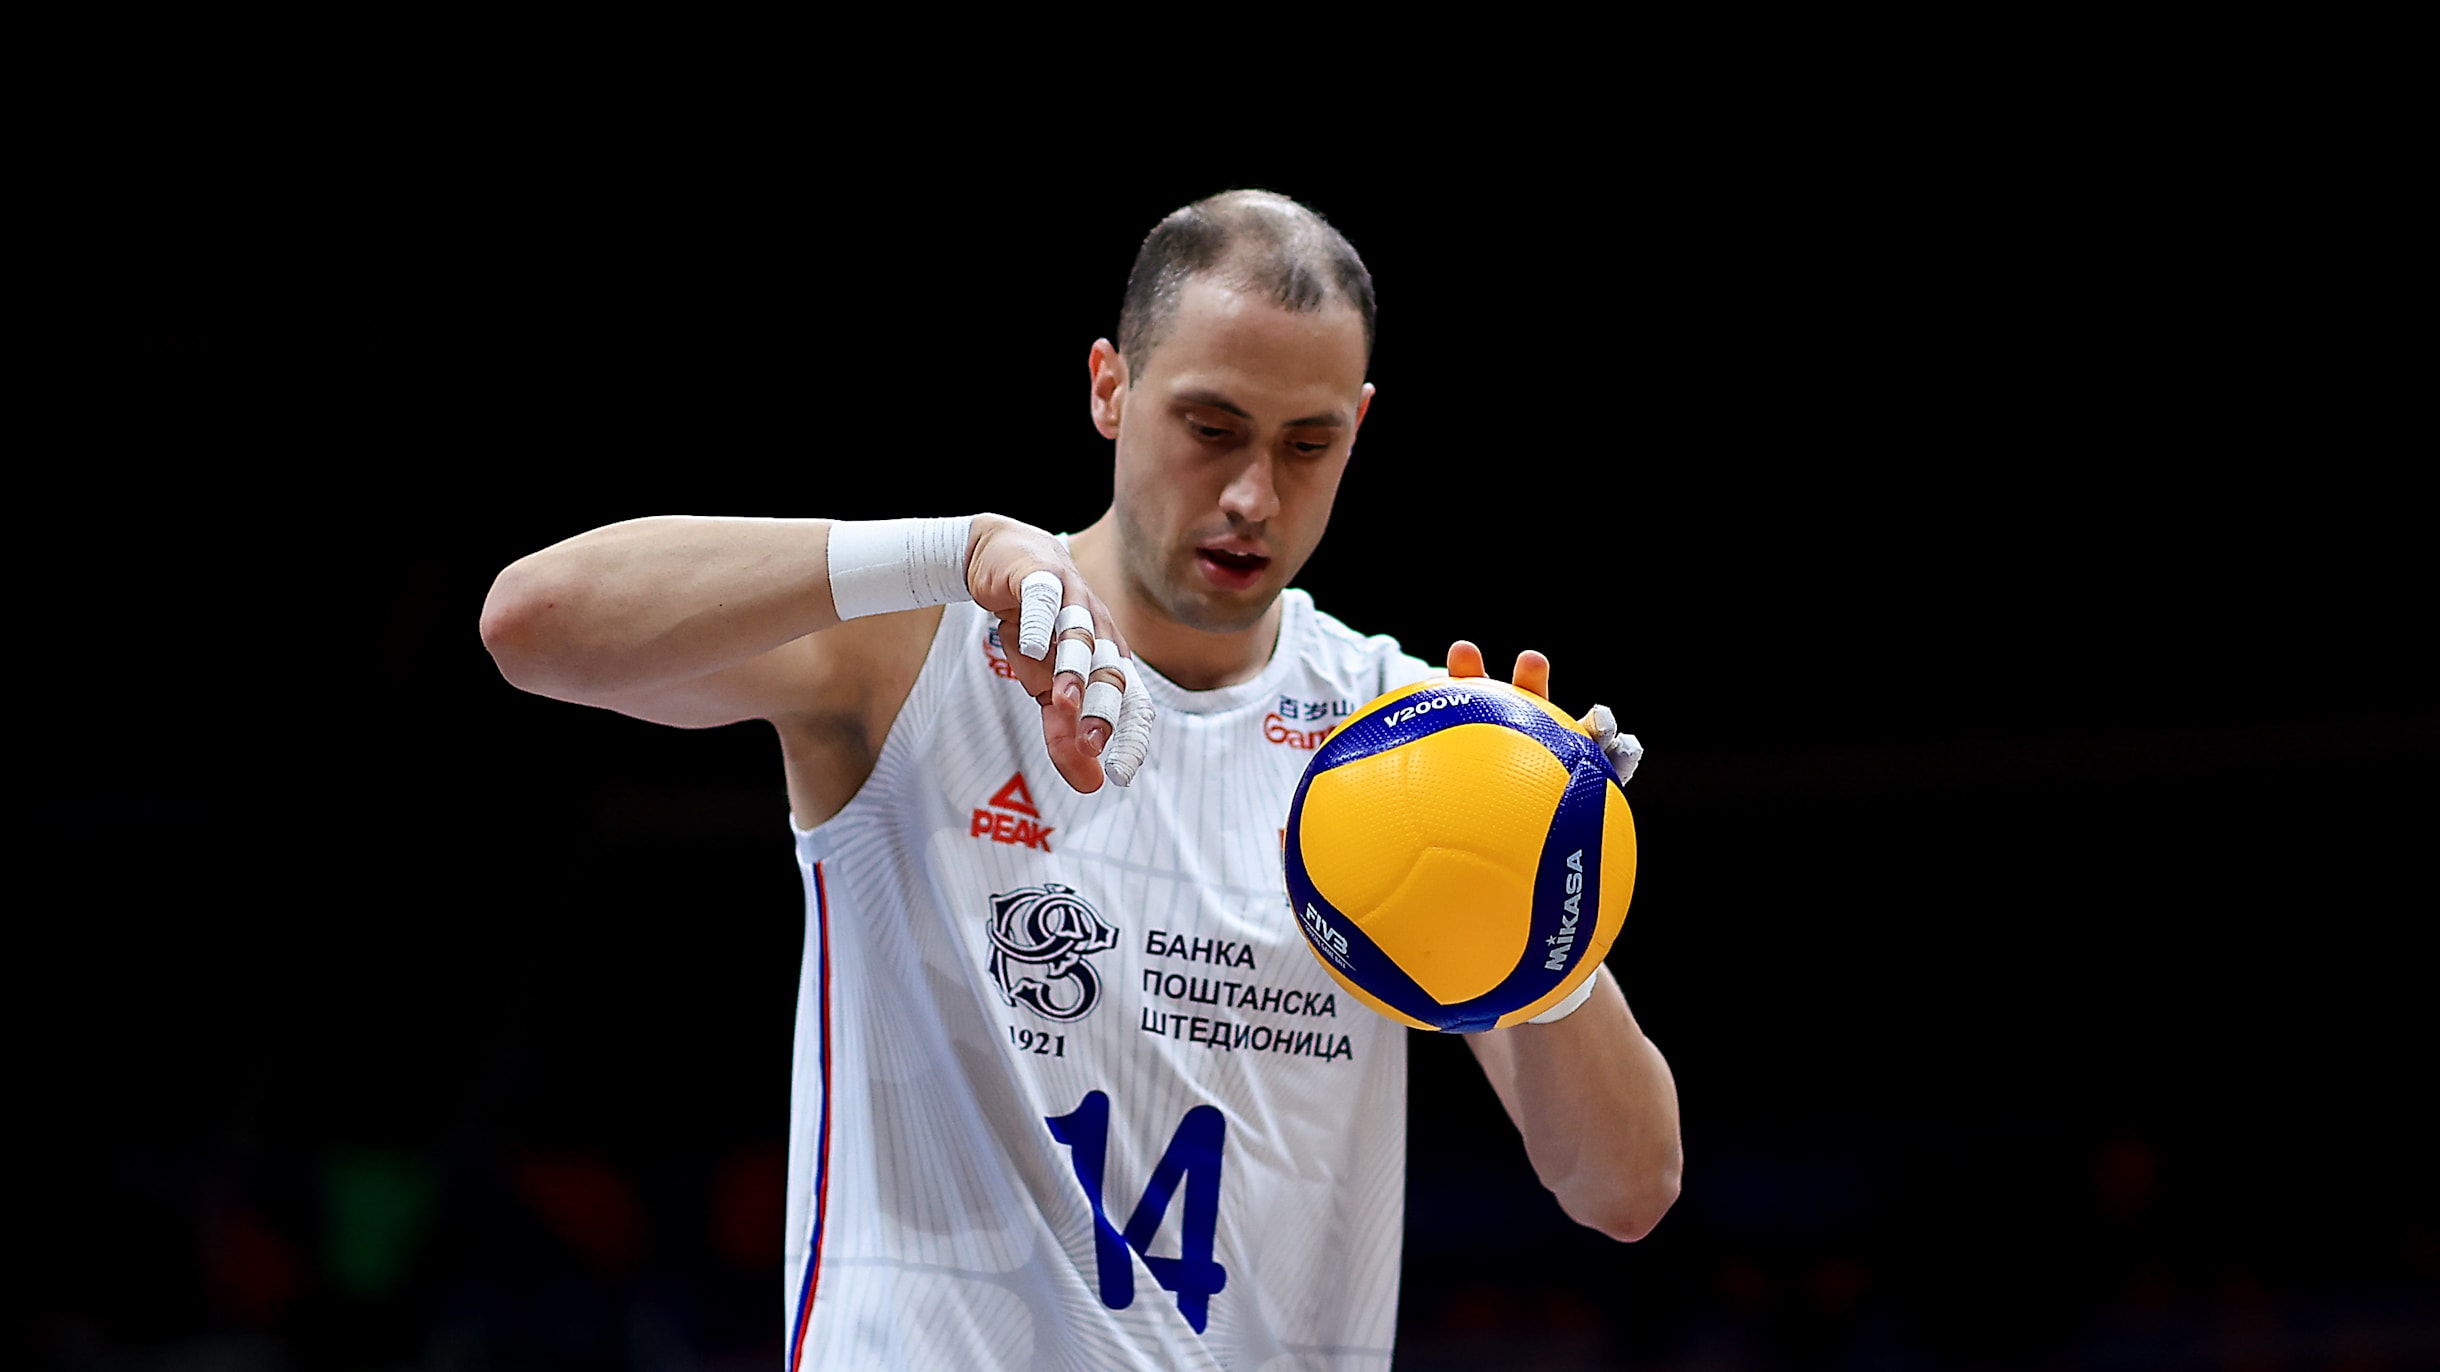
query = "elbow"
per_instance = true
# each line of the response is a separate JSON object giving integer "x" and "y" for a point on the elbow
{"x": 1627, "y": 1211}
{"x": 516, "y": 615}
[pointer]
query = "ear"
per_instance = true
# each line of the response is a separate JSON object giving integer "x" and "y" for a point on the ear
{"x": 1109, "y": 370}
{"x": 1363, "y": 403}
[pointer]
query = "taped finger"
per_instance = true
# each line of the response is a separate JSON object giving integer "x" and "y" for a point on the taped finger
{"x": 1075, "y": 655}
{"x": 1133, "y": 738}
{"x": 1102, "y": 697}
{"x": 1623, "y": 750}
{"x": 1038, "y": 598}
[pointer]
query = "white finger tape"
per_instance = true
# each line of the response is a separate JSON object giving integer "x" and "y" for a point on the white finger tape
{"x": 1074, "y": 657}
{"x": 1101, "y": 701}
{"x": 1038, "y": 599}
{"x": 1625, "y": 752}
{"x": 1074, "y": 617}
{"x": 1133, "y": 737}
{"x": 1622, "y": 750}
{"x": 1106, "y": 658}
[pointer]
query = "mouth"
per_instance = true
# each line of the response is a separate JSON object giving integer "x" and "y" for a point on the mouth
{"x": 1230, "y": 568}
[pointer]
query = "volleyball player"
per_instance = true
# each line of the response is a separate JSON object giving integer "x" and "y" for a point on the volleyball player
{"x": 1069, "y": 1090}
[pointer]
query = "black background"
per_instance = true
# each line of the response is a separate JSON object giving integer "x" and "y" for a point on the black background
{"x": 2000, "y": 530}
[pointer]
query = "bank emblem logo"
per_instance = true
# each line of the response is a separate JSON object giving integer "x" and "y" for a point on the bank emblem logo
{"x": 1040, "y": 936}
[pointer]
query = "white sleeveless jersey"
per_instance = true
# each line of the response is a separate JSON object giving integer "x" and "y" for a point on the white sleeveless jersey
{"x": 1071, "y": 1092}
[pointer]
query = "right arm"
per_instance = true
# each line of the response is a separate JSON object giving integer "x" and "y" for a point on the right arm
{"x": 678, "y": 620}
{"x": 703, "y": 621}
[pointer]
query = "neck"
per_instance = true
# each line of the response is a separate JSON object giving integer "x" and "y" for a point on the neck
{"x": 1197, "y": 659}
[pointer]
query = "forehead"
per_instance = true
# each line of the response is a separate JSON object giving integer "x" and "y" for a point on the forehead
{"x": 1241, "y": 345}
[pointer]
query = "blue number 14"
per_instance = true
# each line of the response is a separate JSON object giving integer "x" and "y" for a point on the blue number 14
{"x": 1193, "y": 1156}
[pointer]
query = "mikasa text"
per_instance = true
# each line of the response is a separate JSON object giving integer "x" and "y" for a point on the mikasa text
{"x": 1565, "y": 940}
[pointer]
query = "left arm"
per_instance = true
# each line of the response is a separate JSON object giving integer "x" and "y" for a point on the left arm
{"x": 1592, "y": 1096}
{"x": 1598, "y": 1109}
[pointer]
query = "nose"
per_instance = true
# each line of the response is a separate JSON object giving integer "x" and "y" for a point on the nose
{"x": 1251, "y": 495}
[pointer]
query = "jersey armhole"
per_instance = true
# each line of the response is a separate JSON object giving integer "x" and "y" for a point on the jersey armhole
{"x": 917, "y": 715}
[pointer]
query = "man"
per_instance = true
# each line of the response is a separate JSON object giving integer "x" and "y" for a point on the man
{"x": 1070, "y": 1092}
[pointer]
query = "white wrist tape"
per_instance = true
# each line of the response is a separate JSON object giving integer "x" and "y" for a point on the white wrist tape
{"x": 881, "y": 565}
{"x": 1574, "y": 1002}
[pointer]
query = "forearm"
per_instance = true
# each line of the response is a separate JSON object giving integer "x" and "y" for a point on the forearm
{"x": 653, "y": 601}
{"x": 1598, "y": 1110}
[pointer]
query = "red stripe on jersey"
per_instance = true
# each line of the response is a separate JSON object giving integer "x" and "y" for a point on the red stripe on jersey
{"x": 821, "y": 1156}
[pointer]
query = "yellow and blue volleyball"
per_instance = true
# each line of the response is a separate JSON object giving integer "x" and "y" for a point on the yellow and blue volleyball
{"x": 1460, "y": 854}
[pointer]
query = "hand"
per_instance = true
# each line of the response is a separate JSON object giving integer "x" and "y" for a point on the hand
{"x": 1088, "y": 689}
{"x": 1533, "y": 674}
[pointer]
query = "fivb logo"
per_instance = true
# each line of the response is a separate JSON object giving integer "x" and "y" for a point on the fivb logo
{"x": 1012, "y": 818}
{"x": 1330, "y": 940}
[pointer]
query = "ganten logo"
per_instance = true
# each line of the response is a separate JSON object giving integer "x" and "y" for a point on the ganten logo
{"x": 1039, "y": 938}
{"x": 995, "y": 653}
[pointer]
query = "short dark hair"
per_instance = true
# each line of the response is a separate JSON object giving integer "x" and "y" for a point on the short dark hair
{"x": 1257, "y": 241}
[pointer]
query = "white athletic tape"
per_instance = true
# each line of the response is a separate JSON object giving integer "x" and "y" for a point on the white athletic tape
{"x": 1574, "y": 1002}
{"x": 1074, "y": 657}
{"x": 1133, "y": 738}
{"x": 1073, "y": 617}
{"x": 881, "y": 565}
{"x": 1623, "y": 750}
{"x": 1626, "y": 752}
{"x": 1106, "y": 658}
{"x": 1038, "y": 597}
{"x": 1101, "y": 701}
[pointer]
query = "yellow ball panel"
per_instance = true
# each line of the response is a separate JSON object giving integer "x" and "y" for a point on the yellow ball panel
{"x": 1617, "y": 870}
{"x": 1458, "y": 924}
{"x": 1481, "y": 788}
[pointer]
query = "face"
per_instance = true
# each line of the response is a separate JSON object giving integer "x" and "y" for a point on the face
{"x": 1231, "y": 444}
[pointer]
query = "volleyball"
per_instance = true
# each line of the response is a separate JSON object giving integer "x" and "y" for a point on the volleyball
{"x": 1460, "y": 854}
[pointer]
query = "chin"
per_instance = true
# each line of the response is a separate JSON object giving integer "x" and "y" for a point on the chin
{"x": 1213, "y": 613}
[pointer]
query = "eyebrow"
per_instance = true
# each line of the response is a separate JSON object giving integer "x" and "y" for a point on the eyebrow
{"x": 1213, "y": 400}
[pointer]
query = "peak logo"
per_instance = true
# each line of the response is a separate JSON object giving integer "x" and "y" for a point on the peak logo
{"x": 1012, "y": 817}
